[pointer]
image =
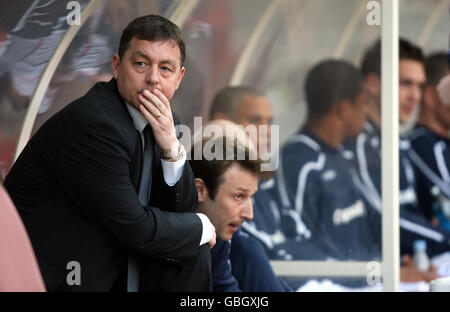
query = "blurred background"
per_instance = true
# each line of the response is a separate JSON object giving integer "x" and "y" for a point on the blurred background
{"x": 267, "y": 44}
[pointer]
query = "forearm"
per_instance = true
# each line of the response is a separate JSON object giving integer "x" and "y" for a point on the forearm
{"x": 181, "y": 197}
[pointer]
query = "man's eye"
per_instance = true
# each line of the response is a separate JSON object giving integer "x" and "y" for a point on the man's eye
{"x": 238, "y": 197}
{"x": 167, "y": 69}
{"x": 140, "y": 64}
{"x": 406, "y": 83}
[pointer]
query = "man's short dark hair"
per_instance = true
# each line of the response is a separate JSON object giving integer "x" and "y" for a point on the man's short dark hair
{"x": 436, "y": 67}
{"x": 152, "y": 28}
{"x": 371, "y": 62}
{"x": 408, "y": 50}
{"x": 212, "y": 171}
{"x": 228, "y": 99}
{"x": 328, "y": 83}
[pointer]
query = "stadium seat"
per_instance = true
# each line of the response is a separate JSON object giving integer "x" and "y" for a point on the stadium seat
{"x": 19, "y": 270}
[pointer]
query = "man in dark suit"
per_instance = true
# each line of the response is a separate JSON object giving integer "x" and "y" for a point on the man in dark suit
{"x": 105, "y": 182}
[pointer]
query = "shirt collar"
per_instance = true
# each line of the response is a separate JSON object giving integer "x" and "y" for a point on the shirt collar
{"x": 139, "y": 120}
{"x": 324, "y": 146}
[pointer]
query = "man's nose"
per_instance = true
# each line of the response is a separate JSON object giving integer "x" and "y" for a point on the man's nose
{"x": 247, "y": 211}
{"x": 264, "y": 131}
{"x": 152, "y": 76}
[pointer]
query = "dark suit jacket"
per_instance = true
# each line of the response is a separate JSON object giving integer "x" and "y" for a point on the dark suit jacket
{"x": 75, "y": 186}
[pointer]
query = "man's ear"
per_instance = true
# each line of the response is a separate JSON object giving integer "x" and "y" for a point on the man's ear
{"x": 344, "y": 109}
{"x": 202, "y": 190}
{"x": 180, "y": 77}
{"x": 115, "y": 61}
{"x": 373, "y": 85}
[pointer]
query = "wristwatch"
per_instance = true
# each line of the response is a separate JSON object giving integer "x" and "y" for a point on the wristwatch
{"x": 180, "y": 154}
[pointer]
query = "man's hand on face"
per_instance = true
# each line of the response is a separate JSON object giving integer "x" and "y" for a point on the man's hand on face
{"x": 156, "y": 109}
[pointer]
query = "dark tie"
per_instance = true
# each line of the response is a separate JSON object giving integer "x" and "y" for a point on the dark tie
{"x": 144, "y": 191}
{"x": 146, "y": 173}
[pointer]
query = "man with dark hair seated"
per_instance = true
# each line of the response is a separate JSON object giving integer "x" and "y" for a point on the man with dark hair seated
{"x": 322, "y": 214}
{"x": 367, "y": 148}
{"x": 430, "y": 142}
{"x": 245, "y": 106}
{"x": 316, "y": 180}
{"x": 105, "y": 181}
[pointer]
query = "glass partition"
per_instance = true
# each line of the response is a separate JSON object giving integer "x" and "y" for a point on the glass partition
{"x": 216, "y": 34}
{"x": 30, "y": 30}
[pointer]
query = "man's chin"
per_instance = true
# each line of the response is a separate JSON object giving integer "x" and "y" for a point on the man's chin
{"x": 135, "y": 103}
{"x": 225, "y": 236}
{"x": 404, "y": 120}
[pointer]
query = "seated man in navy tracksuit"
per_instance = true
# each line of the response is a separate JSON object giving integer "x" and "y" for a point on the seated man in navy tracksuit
{"x": 268, "y": 228}
{"x": 312, "y": 209}
{"x": 279, "y": 230}
{"x": 320, "y": 202}
{"x": 367, "y": 149}
{"x": 225, "y": 189}
{"x": 430, "y": 141}
{"x": 251, "y": 267}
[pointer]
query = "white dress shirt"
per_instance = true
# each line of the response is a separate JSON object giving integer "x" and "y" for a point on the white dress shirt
{"x": 172, "y": 171}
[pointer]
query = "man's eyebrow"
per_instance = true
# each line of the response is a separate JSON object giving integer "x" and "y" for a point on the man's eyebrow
{"x": 140, "y": 54}
{"x": 411, "y": 81}
{"x": 245, "y": 189}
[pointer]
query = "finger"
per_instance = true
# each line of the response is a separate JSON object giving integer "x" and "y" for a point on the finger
{"x": 163, "y": 99}
{"x": 150, "y": 106}
{"x": 153, "y": 121}
{"x": 155, "y": 100}
{"x": 149, "y": 97}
